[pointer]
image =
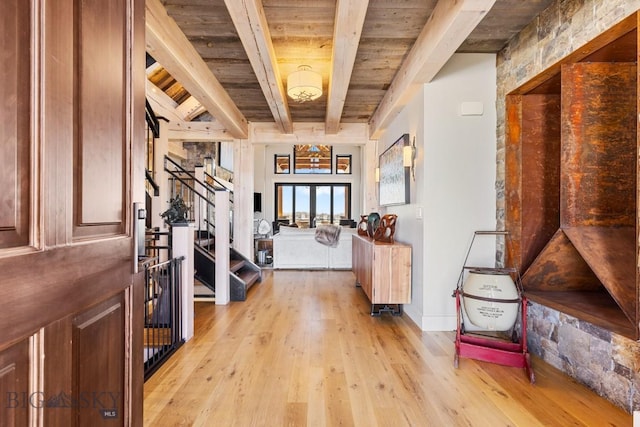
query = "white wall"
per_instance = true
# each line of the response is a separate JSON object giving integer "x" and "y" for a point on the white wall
{"x": 455, "y": 181}
{"x": 265, "y": 178}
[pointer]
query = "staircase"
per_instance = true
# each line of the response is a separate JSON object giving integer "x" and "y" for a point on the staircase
{"x": 243, "y": 273}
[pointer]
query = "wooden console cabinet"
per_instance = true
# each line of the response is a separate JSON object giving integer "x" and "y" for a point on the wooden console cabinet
{"x": 383, "y": 270}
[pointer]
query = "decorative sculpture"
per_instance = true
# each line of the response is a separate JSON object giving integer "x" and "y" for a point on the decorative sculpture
{"x": 386, "y": 229}
{"x": 177, "y": 212}
{"x": 373, "y": 221}
{"x": 362, "y": 226}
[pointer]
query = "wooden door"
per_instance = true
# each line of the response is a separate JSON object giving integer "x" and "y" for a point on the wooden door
{"x": 71, "y": 167}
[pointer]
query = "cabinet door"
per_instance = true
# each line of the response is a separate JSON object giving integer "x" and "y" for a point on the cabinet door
{"x": 391, "y": 274}
{"x": 362, "y": 257}
{"x": 71, "y": 157}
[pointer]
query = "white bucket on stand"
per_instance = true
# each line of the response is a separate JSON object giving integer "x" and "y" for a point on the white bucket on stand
{"x": 490, "y": 299}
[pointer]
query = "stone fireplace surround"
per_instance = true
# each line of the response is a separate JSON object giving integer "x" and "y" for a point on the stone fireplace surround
{"x": 604, "y": 361}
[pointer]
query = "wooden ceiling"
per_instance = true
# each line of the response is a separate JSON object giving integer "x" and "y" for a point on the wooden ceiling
{"x": 371, "y": 54}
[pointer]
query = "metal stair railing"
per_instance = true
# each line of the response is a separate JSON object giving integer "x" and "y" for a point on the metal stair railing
{"x": 199, "y": 197}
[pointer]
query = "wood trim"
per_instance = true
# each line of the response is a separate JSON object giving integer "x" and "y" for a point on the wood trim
{"x": 252, "y": 27}
{"x": 309, "y": 133}
{"x": 349, "y": 20}
{"x": 15, "y": 136}
{"x": 43, "y": 292}
{"x": 170, "y": 47}
{"x": 449, "y": 25}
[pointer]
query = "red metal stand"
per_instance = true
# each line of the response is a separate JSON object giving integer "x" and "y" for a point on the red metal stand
{"x": 511, "y": 352}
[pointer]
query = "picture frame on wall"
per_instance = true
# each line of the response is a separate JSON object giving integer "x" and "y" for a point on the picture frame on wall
{"x": 394, "y": 175}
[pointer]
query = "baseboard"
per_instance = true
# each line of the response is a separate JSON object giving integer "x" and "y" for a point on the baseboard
{"x": 439, "y": 323}
{"x": 413, "y": 314}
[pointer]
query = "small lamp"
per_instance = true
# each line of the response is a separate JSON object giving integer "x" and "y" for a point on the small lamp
{"x": 304, "y": 85}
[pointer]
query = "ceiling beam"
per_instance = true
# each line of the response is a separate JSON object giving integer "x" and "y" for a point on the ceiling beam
{"x": 251, "y": 23}
{"x": 171, "y": 48}
{"x": 197, "y": 132}
{"x": 448, "y": 26}
{"x": 162, "y": 104}
{"x": 178, "y": 129}
{"x": 348, "y": 24}
{"x": 309, "y": 133}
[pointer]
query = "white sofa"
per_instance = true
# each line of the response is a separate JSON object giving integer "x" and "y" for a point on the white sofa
{"x": 296, "y": 248}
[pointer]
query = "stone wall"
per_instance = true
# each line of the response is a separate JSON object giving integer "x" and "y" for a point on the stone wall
{"x": 605, "y": 362}
{"x": 197, "y": 151}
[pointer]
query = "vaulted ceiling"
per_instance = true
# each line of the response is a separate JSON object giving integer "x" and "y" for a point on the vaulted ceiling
{"x": 228, "y": 60}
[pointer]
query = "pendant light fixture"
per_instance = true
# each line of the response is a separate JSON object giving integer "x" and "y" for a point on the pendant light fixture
{"x": 304, "y": 84}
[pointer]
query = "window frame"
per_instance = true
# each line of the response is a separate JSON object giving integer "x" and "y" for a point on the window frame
{"x": 312, "y": 199}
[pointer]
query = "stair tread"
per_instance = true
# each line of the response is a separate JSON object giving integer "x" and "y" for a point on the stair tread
{"x": 249, "y": 277}
{"x": 236, "y": 264}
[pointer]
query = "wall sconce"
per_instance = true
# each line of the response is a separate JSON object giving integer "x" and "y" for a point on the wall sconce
{"x": 377, "y": 175}
{"x": 409, "y": 157}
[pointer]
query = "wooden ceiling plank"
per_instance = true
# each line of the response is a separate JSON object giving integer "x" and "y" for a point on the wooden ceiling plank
{"x": 251, "y": 24}
{"x": 449, "y": 25}
{"x": 349, "y": 21}
{"x": 171, "y": 48}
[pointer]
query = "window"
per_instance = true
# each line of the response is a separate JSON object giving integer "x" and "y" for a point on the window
{"x": 310, "y": 205}
{"x": 314, "y": 159}
{"x": 281, "y": 164}
{"x": 225, "y": 155}
{"x": 343, "y": 163}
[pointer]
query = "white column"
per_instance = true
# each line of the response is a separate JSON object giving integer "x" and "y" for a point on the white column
{"x": 222, "y": 247}
{"x": 182, "y": 242}
{"x": 243, "y": 165}
{"x": 160, "y": 203}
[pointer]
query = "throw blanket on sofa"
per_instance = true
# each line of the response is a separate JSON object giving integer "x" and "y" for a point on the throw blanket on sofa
{"x": 328, "y": 235}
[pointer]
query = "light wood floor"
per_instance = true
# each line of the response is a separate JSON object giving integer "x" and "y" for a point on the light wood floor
{"x": 303, "y": 350}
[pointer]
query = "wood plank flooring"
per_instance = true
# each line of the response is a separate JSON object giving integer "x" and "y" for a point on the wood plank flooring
{"x": 304, "y": 351}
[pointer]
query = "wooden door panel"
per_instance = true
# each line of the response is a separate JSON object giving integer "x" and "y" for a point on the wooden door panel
{"x": 58, "y": 364}
{"x": 14, "y": 385}
{"x": 100, "y": 110}
{"x": 15, "y": 130}
{"x": 98, "y": 346}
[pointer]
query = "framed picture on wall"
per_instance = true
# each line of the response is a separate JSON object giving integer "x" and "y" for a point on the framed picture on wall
{"x": 282, "y": 164}
{"x": 394, "y": 175}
